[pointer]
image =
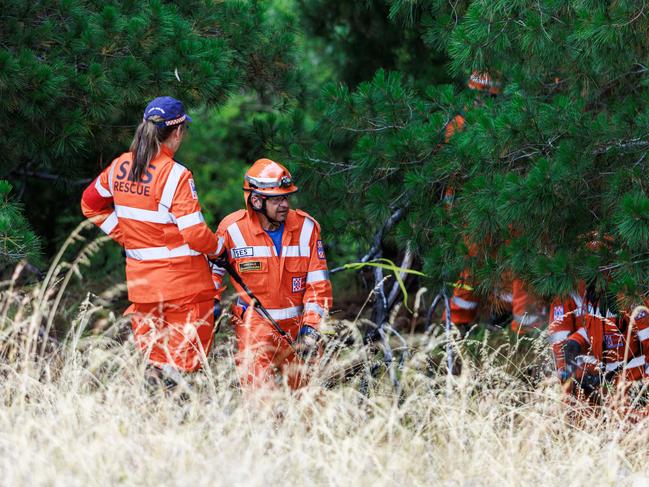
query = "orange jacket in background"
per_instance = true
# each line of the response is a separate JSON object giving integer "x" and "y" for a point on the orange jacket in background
{"x": 567, "y": 316}
{"x": 603, "y": 343}
{"x": 159, "y": 223}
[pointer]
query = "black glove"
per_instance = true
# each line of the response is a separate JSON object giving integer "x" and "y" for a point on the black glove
{"x": 590, "y": 383}
{"x": 217, "y": 309}
{"x": 571, "y": 349}
{"x": 307, "y": 341}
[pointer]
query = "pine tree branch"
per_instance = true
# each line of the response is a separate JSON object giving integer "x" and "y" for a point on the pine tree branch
{"x": 53, "y": 177}
{"x": 376, "y": 248}
{"x": 631, "y": 144}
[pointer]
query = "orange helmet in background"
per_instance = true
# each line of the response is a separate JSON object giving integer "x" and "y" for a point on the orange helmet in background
{"x": 268, "y": 178}
{"x": 484, "y": 82}
{"x": 594, "y": 241}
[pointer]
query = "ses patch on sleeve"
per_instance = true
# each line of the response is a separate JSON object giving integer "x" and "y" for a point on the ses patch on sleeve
{"x": 558, "y": 312}
{"x": 321, "y": 252}
{"x": 192, "y": 188}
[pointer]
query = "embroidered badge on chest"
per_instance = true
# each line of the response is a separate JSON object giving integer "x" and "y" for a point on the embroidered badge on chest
{"x": 321, "y": 252}
{"x": 253, "y": 265}
{"x": 299, "y": 284}
{"x": 240, "y": 252}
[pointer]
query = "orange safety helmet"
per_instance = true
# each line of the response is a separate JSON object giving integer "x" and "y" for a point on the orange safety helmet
{"x": 268, "y": 178}
{"x": 595, "y": 241}
{"x": 484, "y": 82}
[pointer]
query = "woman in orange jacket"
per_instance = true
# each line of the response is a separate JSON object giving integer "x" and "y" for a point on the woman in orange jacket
{"x": 147, "y": 202}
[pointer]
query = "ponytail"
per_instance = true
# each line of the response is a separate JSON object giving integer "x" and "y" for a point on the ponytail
{"x": 146, "y": 145}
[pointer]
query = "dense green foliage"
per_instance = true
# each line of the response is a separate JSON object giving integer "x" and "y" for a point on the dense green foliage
{"x": 75, "y": 77}
{"x": 359, "y": 113}
{"x": 560, "y": 153}
{"x": 17, "y": 240}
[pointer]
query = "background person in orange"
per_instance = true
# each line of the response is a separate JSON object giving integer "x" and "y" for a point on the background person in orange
{"x": 593, "y": 343}
{"x": 604, "y": 346}
{"x": 465, "y": 304}
{"x": 279, "y": 255}
{"x": 147, "y": 202}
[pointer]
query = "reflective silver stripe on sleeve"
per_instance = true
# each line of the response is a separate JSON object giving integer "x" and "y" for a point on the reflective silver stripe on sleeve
{"x": 216, "y": 285}
{"x": 171, "y": 185}
{"x": 235, "y": 235}
{"x": 156, "y": 253}
{"x": 583, "y": 333}
{"x": 636, "y": 362}
{"x": 587, "y": 359}
{"x": 613, "y": 365}
{"x": 285, "y": 313}
{"x": 315, "y": 276}
{"x": 219, "y": 246}
{"x": 104, "y": 193}
{"x": 109, "y": 223}
{"x": 557, "y": 337}
{"x": 463, "y": 303}
{"x": 218, "y": 271}
{"x": 190, "y": 220}
{"x": 305, "y": 237}
{"x": 314, "y": 307}
{"x": 643, "y": 334}
{"x": 506, "y": 297}
{"x": 128, "y": 212}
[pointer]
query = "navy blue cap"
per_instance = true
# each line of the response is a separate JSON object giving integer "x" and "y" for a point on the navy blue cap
{"x": 171, "y": 111}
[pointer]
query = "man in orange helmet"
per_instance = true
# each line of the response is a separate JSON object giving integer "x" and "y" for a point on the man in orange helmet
{"x": 278, "y": 254}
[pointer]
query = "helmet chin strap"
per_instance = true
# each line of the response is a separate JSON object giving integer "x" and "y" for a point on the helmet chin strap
{"x": 263, "y": 210}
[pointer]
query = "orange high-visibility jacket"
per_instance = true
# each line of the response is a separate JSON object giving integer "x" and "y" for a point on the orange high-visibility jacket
{"x": 567, "y": 317}
{"x": 292, "y": 285}
{"x": 603, "y": 342}
{"x": 159, "y": 223}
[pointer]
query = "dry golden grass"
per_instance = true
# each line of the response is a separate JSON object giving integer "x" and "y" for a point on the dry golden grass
{"x": 77, "y": 412}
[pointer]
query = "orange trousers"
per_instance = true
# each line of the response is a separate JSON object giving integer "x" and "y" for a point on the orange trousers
{"x": 262, "y": 351}
{"x": 176, "y": 334}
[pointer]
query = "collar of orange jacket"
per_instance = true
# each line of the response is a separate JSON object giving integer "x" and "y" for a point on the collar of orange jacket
{"x": 164, "y": 150}
{"x": 291, "y": 224}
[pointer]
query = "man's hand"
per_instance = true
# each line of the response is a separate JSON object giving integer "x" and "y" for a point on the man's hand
{"x": 307, "y": 342}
